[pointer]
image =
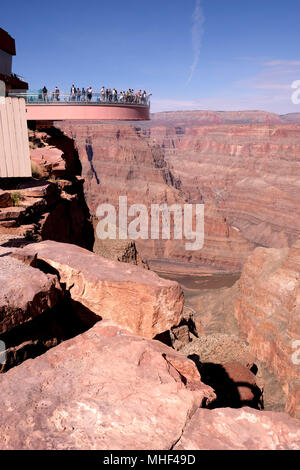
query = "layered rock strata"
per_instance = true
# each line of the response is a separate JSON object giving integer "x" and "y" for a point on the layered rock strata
{"x": 244, "y": 166}
{"x": 41, "y": 210}
{"x": 267, "y": 311}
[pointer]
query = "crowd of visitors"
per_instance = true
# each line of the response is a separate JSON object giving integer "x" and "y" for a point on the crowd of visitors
{"x": 106, "y": 95}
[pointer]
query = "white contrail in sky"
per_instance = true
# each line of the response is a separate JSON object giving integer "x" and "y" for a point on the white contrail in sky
{"x": 197, "y": 33}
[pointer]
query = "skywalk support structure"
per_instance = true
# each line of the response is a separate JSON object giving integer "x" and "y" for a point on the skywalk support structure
{"x": 86, "y": 112}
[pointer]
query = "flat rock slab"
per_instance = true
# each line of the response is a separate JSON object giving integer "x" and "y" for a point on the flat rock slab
{"x": 11, "y": 213}
{"x": 129, "y": 295}
{"x": 25, "y": 291}
{"x": 37, "y": 189}
{"x": 240, "y": 429}
{"x": 104, "y": 389}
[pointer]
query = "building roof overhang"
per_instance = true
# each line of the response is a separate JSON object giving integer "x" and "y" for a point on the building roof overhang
{"x": 7, "y": 43}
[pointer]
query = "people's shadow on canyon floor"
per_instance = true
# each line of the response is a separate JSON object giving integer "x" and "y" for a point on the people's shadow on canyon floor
{"x": 227, "y": 390}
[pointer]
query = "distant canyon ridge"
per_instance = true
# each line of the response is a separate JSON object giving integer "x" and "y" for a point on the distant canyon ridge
{"x": 244, "y": 166}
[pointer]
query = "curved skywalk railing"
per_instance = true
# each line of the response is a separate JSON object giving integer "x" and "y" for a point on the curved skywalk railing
{"x": 36, "y": 97}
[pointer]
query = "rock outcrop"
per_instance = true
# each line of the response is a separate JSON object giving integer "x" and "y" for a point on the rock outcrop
{"x": 54, "y": 153}
{"x": 42, "y": 210}
{"x": 243, "y": 429}
{"x": 49, "y": 160}
{"x": 131, "y": 296}
{"x": 51, "y": 292}
{"x": 5, "y": 199}
{"x": 36, "y": 313}
{"x": 104, "y": 389}
{"x": 25, "y": 292}
{"x": 118, "y": 250}
{"x": 267, "y": 310}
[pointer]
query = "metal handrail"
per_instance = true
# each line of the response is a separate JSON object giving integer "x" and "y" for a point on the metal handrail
{"x": 38, "y": 97}
{"x": 20, "y": 77}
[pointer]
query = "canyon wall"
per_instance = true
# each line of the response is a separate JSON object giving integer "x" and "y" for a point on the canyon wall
{"x": 42, "y": 210}
{"x": 251, "y": 172}
{"x": 243, "y": 166}
{"x": 267, "y": 311}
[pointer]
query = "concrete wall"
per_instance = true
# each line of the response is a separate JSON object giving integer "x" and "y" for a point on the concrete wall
{"x": 14, "y": 145}
{"x": 5, "y": 63}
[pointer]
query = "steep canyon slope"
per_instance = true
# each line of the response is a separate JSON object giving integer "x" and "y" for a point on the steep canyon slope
{"x": 244, "y": 166}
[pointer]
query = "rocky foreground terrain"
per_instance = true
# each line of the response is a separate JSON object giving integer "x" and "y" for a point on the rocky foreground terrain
{"x": 83, "y": 337}
{"x": 98, "y": 351}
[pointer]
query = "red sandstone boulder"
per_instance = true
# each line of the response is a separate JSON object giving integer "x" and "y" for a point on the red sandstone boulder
{"x": 104, "y": 389}
{"x": 25, "y": 292}
{"x": 240, "y": 429}
{"x": 131, "y": 296}
{"x": 39, "y": 189}
{"x": 11, "y": 213}
{"x": 49, "y": 158}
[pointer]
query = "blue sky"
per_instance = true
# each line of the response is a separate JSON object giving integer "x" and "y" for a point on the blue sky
{"x": 191, "y": 54}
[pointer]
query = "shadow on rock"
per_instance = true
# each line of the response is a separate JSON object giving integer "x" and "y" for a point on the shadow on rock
{"x": 231, "y": 391}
